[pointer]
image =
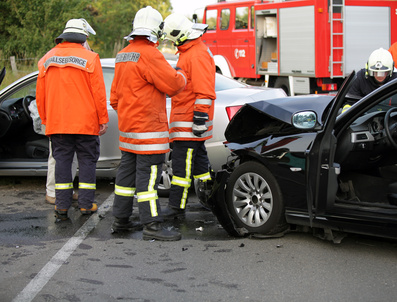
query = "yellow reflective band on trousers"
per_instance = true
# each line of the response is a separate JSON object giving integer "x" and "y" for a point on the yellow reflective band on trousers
{"x": 124, "y": 191}
{"x": 203, "y": 177}
{"x": 87, "y": 186}
{"x": 182, "y": 182}
{"x": 65, "y": 186}
{"x": 185, "y": 182}
{"x": 151, "y": 194}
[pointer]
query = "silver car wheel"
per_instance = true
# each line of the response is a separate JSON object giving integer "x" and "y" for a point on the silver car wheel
{"x": 252, "y": 199}
{"x": 166, "y": 177}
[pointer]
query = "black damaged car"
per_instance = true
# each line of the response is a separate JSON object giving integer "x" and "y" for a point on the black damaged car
{"x": 299, "y": 161}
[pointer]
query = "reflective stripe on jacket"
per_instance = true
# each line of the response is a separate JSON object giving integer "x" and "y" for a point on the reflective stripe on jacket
{"x": 142, "y": 79}
{"x": 70, "y": 91}
{"x": 199, "y": 95}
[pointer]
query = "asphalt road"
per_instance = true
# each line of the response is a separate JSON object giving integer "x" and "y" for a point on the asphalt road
{"x": 80, "y": 260}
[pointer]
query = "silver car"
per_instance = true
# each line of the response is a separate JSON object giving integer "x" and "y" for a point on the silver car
{"x": 24, "y": 152}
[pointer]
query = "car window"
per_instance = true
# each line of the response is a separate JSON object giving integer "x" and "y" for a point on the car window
{"x": 108, "y": 75}
{"x": 24, "y": 90}
{"x": 384, "y": 105}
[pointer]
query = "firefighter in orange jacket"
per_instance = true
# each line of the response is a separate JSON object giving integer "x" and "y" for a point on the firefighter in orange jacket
{"x": 71, "y": 100}
{"x": 142, "y": 79}
{"x": 192, "y": 111}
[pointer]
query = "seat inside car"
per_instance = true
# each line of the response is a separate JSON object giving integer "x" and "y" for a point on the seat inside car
{"x": 37, "y": 149}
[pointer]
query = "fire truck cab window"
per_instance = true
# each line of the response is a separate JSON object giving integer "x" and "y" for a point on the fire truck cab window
{"x": 241, "y": 18}
{"x": 211, "y": 19}
{"x": 225, "y": 19}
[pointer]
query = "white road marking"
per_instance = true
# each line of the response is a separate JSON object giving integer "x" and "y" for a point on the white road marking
{"x": 49, "y": 270}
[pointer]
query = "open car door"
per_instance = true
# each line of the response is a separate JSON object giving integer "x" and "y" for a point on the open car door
{"x": 321, "y": 171}
{"x": 2, "y": 75}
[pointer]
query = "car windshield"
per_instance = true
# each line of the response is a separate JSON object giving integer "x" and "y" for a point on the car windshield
{"x": 224, "y": 83}
{"x": 221, "y": 82}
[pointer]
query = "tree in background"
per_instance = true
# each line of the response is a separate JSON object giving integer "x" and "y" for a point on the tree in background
{"x": 114, "y": 22}
{"x": 28, "y": 28}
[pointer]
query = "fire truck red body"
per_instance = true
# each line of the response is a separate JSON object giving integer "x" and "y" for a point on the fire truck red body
{"x": 302, "y": 46}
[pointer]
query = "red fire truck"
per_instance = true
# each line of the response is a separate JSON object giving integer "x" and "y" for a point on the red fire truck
{"x": 302, "y": 46}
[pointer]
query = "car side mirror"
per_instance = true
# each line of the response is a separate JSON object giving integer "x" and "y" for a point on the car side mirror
{"x": 305, "y": 120}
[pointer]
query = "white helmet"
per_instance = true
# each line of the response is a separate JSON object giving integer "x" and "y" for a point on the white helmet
{"x": 76, "y": 30}
{"x": 379, "y": 61}
{"x": 178, "y": 29}
{"x": 147, "y": 22}
{"x": 79, "y": 26}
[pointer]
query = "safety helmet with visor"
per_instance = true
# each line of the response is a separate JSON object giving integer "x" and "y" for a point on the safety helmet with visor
{"x": 147, "y": 22}
{"x": 179, "y": 29}
{"x": 76, "y": 31}
{"x": 380, "y": 65}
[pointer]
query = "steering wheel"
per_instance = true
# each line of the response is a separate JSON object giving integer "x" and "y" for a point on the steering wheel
{"x": 25, "y": 104}
{"x": 390, "y": 129}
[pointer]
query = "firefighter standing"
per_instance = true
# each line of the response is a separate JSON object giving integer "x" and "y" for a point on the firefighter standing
{"x": 71, "y": 100}
{"x": 142, "y": 79}
{"x": 191, "y": 111}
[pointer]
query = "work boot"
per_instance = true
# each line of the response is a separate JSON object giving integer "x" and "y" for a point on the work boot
{"x": 173, "y": 213}
{"x": 125, "y": 225}
{"x": 155, "y": 230}
{"x": 49, "y": 199}
{"x": 93, "y": 209}
{"x": 61, "y": 214}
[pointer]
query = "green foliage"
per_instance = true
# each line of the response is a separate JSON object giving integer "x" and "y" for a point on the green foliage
{"x": 28, "y": 27}
{"x": 114, "y": 21}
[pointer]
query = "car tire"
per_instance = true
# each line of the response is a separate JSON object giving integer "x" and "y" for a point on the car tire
{"x": 254, "y": 199}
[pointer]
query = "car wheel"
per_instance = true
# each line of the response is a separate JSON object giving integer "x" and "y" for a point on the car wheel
{"x": 164, "y": 187}
{"x": 254, "y": 199}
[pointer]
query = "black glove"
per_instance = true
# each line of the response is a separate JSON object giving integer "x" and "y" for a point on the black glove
{"x": 199, "y": 120}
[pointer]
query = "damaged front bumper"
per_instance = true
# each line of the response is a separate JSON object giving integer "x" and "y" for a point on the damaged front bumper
{"x": 217, "y": 203}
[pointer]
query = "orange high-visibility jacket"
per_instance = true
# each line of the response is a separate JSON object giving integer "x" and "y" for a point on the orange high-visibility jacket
{"x": 199, "y": 95}
{"x": 142, "y": 79}
{"x": 393, "y": 51}
{"x": 70, "y": 91}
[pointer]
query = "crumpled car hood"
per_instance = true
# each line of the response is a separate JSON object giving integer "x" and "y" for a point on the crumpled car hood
{"x": 265, "y": 116}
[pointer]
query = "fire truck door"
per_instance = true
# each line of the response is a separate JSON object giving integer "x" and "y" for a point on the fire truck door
{"x": 243, "y": 40}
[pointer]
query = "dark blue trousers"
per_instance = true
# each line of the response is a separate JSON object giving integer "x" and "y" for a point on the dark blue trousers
{"x": 138, "y": 177}
{"x": 189, "y": 161}
{"x": 87, "y": 149}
